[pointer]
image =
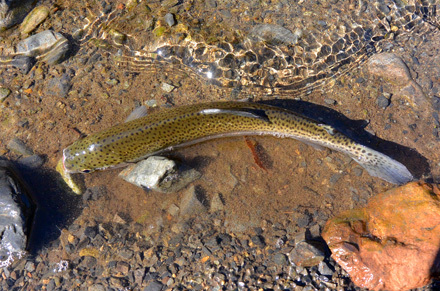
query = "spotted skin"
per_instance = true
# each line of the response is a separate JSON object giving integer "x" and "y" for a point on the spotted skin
{"x": 135, "y": 140}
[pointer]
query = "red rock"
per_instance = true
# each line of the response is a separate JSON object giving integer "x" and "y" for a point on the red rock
{"x": 393, "y": 242}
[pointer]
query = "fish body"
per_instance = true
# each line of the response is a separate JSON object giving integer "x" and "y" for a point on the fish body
{"x": 180, "y": 126}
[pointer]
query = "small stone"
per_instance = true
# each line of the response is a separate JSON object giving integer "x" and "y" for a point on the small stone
{"x": 258, "y": 240}
{"x": 23, "y": 63}
{"x": 329, "y": 101}
{"x": 324, "y": 269}
{"x": 90, "y": 232}
{"x": 280, "y": 259}
{"x": 169, "y": 19}
{"x": 160, "y": 174}
{"x": 275, "y": 34}
{"x": 33, "y": 19}
{"x": 306, "y": 255}
{"x": 217, "y": 203}
{"x": 192, "y": 202}
{"x": 19, "y": 147}
{"x": 173, "y": 210}
{"x": 59, "y": 87}
{"x": 4, "y": 92}
{"x": 154, "y": 286}
{"x": 382, "y": 102}
{"x": 167, "y": 87}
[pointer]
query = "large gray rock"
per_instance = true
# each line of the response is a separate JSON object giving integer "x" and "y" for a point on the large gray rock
{"x": 17, "y": 209}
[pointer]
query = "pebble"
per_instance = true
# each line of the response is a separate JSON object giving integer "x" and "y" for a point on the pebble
{"x": 33, "y": 19}
{"x": 167, "y": 87}
{"x": 23, "y": 63}
{"x": 4, "y": 92}
{"x": 169, "y": 19}
{"x": 59, "y": 87}
{"x": 382, "y": 101}
{"x": 217, "y": 203}
{"x": 275, "y": 34}
{"x": 306, "y": 255}
{"x": 154, "y": 286}
{"x": 329, "y": 101}
{"x": 160, "y": 174}
{"x": 18, "y": 146}
{"x": 192, "y": 202}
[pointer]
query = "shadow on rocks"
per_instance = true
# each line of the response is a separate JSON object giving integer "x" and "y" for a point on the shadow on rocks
{"x": 416, "y": 163}
{"x": 56, "y": 208}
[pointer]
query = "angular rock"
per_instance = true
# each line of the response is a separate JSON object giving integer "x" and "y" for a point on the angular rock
{"x": 217, "y": 203}
{"x": 17, "y": 209}
{"x": 192, "y": 202}
{"x": 159, "y": 174}
{"x": 393, "y": 242}
{"x": 51, "y": 47}
{"x": 306, "y": 255}
{"x": 59, "y": 87}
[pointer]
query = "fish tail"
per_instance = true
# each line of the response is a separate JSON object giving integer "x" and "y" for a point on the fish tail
{"x": 382, "y": 166}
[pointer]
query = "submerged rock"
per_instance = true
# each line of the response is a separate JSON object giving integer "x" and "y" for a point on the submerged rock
{"x": 275, "y": 34}
{"x": 34, "y": 18}
{"x": 16, "y": 213}
{"x": 49, "y": 46}
{"x": 394, "y": 70}
{"x": 159, "y": 174}
{"x": 192, "y": 202}
{"x": 12, "y": 12}
{"x": 306, "y": 254}
{"x": 393, "y": 242}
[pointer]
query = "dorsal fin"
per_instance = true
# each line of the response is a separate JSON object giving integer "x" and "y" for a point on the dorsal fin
{"x": 138, "y": 112}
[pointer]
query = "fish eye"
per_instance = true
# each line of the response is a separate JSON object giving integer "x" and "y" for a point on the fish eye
{"x": 85, "y": 171}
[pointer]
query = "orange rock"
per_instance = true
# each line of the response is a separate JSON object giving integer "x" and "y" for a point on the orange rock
{"x": 392, "y": 243}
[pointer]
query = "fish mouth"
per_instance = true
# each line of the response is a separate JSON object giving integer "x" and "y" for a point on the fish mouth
{"x": 64, "y": 161}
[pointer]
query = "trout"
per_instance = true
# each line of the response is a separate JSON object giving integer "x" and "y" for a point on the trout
{"x": 182, "y": 126}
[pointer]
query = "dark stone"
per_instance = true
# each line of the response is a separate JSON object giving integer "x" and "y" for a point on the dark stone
{"x": 258, "y": 240}
{"x": 382, "y": 101}
{"x": 59, "y": 87}
{"x": 154, "y": 286}
{"x": 90, "y": 232}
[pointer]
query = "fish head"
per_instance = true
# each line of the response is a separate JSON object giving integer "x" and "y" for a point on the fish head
{"x": 76, "y": 161}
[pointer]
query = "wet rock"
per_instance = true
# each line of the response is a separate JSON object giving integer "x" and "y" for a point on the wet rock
{"x": 192, "y": 202}
{"x": 275, "y": 34}
{"x": 18, "y": 146}
{"x": 382, "y": 101}
{"x": 160, "y": 174}
{"x": 4, "y": 92}
{"x": 169, "y": 19}
{"x": 16, "y": 213}
{"x": 392, "y": 243}
{"x": 59, "y": 87}
{"x": 33, "y": 161}
{"x": 394, "y": 70}
{"x": 51, "y": 47}
{"x": 33, "y": 19}
{"x": 12, "y": 12}
{"x": 306, "y": 255}
{"x": 167, "y": 87}
{"x": 154, "y": 286}
{"x": 23, "y": 63}
{"x": 217, "y": 203}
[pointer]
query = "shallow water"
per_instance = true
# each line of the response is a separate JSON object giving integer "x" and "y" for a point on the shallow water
{"x": 297, "y": 180}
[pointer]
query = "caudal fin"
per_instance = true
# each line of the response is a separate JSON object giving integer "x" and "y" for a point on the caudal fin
{"x": 384, "y": 167}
